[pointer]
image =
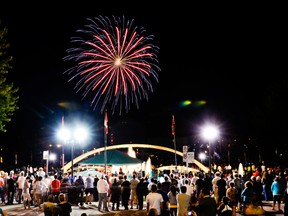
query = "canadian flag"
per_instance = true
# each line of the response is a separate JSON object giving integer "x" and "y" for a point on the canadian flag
{"x": 173, "y": 125}
{"x": 106, "y": 122}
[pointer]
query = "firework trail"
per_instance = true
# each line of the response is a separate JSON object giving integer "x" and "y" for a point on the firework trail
{"x": 114, "y": 62}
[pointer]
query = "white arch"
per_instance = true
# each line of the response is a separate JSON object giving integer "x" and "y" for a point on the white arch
{"x": 94, "y": 151}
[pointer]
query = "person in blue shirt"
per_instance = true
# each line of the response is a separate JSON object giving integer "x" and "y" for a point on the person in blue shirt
{"x": 277, "y": 192}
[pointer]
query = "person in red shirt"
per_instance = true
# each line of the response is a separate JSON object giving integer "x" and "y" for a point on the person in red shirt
{"x": 55, "y": 188}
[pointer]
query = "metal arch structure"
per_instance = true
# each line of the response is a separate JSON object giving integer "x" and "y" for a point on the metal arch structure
{"x": 95, "y": 151}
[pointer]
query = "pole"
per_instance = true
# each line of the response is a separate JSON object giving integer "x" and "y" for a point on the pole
{"x": 63, "y": 158}
{"x": 105, "y": 154}
{"x": 105, "y": 141}
{"x": 72, "y": 160}
{"x": 47, "y": 162}
{"x": 174, "y": 140}
{"x": 229, "y": 154}
{"x": 209, "y": 157}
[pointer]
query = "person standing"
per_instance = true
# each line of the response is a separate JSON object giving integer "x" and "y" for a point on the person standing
{"x": 95, "y": 192}
{"x": 103, "y": 187}
{"x": 20, "y": 182}
{"x": 206, "y": 205}
{"x": 183, "y": 201}
{"x": 47, "y": 191}
{"x": 276, "y": 189}
{"x": 38, "y": 190}
{"x": 222, "y": 185}
{"x": 133, "y": 185}
{"x": 115, "y": 192}
{"x": 125, "y": 191}
{"x": 2, "y": 187}
{"x": 11, "y": 188}
{"x": 247, "y": 194}
{"x": 172, "y": 194}
{"x": 231, "y": 194}
{"x": 165, "y": 210}
{"x": 141, "y": 192}
{"x": 55, "y": 188}
{"x": 26, "y": 193}
{"x": 154, "y": 200}
{"x": 285, "y": 200}
{"x": 215, "y": 186}
{"x": 79, "y": 183}
{"x": 89, "y": 189}
{"x": 166, "y": 184}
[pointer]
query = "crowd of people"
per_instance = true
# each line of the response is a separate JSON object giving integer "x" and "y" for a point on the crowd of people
{"x": 173, "y": 194}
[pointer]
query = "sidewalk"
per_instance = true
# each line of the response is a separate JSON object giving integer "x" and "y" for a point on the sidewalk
{"x": 91, "y": 210}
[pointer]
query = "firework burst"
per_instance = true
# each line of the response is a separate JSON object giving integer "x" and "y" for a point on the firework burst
{"x": 114, "y": 62}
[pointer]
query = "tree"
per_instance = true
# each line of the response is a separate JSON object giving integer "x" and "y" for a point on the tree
{"x": 8, "y": 93}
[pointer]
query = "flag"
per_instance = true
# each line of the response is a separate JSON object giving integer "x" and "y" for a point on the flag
{"x": 106, "y": 122}
{"x": 173, "y": 125}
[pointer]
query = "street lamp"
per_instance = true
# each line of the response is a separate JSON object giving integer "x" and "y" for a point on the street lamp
{"x": 70, "y": 136}
{"x": 202, "y": 156}
{"x": 210, "y": 132}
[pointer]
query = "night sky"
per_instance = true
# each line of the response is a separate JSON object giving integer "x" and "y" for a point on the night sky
{"x": 231, "y": 58}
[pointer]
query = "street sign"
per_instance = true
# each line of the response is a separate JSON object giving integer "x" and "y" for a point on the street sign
{"x": 185, "y": 149}
{"x": 190, "y": 157}
{"x": 185, "y": 157}
{"x": 45, "y": 155}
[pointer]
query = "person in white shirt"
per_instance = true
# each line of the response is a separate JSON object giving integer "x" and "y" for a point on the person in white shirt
{"x": 41, "y": 173}
{"x": 20, "y": 184}
{"x": 189, "y": 189}
{"x": 215, "y": 186}
{"x": 103, "y": 187}
{"x": 26, "y": 193}
{"x": 154, "y": 200}
{"x": 38, "y": 189}
{"x": 89, "y": 189}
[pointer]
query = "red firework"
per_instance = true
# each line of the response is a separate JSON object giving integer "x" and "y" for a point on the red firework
{"x": 115, "y": 61}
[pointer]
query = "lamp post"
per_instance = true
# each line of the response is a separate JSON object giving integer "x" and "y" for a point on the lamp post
{"x": 210, "y": 132}
{"x": 70, "y": 136}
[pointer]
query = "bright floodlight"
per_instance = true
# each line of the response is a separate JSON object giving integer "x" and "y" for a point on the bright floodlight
{"x": 72, "y": 136}
{"x": 80, "y": 134}
{"x": 52, "y": 157}
{"x": 64, "y": 134}
{"x": 202, "y": 156}
{"x": 210, "y": 132}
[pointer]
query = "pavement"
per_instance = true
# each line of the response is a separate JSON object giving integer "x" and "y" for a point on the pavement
{"x": 92, "y": 210}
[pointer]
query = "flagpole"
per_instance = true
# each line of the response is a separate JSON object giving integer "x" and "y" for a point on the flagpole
{"x": 174, "y": 140}
{"x": 105, "y": 141}
{"x": 63, "y": 156}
